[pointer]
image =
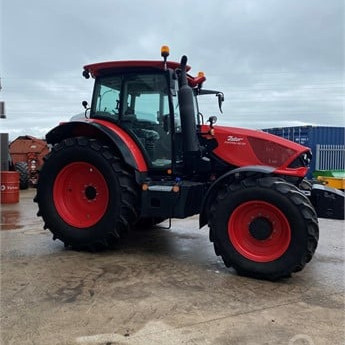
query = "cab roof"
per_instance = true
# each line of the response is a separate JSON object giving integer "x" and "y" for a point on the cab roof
{"x": 103, "y": 68}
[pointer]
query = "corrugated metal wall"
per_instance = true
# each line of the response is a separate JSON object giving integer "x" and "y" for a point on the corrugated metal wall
{"x": 331, "y": 156}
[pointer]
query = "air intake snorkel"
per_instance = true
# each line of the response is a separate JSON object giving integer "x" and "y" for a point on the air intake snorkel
{"x": 191, "y": 147}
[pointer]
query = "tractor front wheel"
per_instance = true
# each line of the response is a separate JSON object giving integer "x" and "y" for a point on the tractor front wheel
{"x": 264, "y": 228}
{"x": 86, "y": 196}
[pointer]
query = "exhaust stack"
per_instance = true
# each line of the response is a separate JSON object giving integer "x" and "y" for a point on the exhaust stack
{"x": 191, "y": 147}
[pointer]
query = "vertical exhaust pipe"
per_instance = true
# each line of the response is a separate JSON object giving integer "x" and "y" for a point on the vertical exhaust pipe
{"x": 191, "y": 147}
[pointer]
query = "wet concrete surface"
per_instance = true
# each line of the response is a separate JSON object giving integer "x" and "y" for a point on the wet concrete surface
{"x": 159, "y": 287}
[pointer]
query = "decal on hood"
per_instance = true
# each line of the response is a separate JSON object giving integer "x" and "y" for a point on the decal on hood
{"x": 234, "y": 140}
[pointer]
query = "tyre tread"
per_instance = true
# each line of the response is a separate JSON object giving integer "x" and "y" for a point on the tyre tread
{"x": 24, "y": 176}
{"x": 128, "y": 199}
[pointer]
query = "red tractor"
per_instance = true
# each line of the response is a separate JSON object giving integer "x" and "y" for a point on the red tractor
{"x": 144, "y": 154}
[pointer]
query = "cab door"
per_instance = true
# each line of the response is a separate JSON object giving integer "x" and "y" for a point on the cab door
{"x": 146, "y": 115}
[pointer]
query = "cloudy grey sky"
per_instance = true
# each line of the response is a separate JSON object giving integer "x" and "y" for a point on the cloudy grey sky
{"x": 279, "y": 63}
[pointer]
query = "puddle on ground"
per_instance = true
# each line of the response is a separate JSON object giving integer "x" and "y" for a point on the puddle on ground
{"x": 10, "y": 220}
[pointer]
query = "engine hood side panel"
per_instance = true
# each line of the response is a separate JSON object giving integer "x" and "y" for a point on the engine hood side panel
{"x": 242, "y": 147}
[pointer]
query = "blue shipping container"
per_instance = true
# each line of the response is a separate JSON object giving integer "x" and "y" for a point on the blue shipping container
{"x": 314, "y": 137}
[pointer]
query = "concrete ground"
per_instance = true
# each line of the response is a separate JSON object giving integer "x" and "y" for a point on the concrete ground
{"x": 160, "y": 287}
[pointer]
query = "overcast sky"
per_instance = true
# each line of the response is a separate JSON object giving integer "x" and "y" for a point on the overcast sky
{"x": 279, "y": 63}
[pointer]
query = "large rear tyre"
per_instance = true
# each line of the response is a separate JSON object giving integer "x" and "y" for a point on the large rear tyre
{"x": 23, "y": 170}
{"x": 86, "y": 196}
{"x": 264, "y": 228}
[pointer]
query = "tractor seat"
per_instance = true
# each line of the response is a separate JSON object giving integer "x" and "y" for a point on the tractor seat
{"x": 147, "y": 134}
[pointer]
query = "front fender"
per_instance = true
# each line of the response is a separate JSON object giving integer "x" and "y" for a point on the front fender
{"x": 229, "y": 177}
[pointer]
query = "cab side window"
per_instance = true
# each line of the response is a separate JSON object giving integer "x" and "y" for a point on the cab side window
{"x": 107, "y": 98}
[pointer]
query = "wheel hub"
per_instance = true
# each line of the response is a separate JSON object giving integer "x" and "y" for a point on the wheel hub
{"x": 80, "y": 194}
{"x": 259, "y": 231}
{"x": 90, "y": 193}
{"x": 261, "y": 228}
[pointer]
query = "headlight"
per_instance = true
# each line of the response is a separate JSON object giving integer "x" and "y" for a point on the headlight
{"x": 302, "y": 161}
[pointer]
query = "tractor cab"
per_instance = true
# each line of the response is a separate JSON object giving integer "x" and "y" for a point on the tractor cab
{"x": 138, "y": 101}
{"x": 155, "y": 102}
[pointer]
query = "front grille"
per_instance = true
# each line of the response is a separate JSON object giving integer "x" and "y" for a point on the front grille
{"x": 270, "y": 153}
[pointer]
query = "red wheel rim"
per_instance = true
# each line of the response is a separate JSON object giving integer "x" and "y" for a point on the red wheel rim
{"x": 80, "y": 194}
{"x": 240, "y": 226}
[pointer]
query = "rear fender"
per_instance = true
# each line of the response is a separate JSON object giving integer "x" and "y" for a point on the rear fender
{"x": 111, "y": 134}
{"x": 229, "y": 177}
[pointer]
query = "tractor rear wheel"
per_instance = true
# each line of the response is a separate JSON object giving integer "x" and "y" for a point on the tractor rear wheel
{"x": 264, "y": 228}
{"x": 85, "y": 194}
{"x": 23, "y": 170}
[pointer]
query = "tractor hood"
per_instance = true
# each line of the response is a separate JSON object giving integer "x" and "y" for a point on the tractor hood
{"x": 242, "y": 147}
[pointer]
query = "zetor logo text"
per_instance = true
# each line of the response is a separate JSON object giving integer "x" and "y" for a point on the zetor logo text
{"x": 234, "y": 140}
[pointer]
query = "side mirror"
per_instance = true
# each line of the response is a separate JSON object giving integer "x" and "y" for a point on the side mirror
{"x": 86, "y": 107}
{"x": 212, "y": 120}
{"x": 220, "y": 96}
